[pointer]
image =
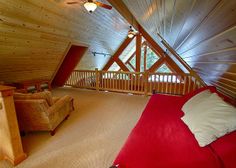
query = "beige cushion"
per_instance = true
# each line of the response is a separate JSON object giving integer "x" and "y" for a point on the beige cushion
{"x": 211, "y": 119}
{"x": 40, "y": 95}
{"x": 191, "y": 103}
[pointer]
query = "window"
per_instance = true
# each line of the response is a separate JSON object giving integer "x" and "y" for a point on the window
{"x": 164, "y": 69}
{"x": 114, "y": 67}
{"x": 151, "y": 58}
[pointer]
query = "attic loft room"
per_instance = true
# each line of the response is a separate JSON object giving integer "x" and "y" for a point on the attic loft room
{"x": 118, "y": 84}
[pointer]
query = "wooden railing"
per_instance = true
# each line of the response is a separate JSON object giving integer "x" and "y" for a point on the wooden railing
{"x": 134, "y": 82}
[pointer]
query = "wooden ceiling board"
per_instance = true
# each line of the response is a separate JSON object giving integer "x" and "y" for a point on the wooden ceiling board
{"x": 220, "y": 55}
{"x": 226, "y": 39}
{"x": 35, "y": 35}
{"x": 219, "y": 20}
{"x": 203, "y": 33}
{"x": 194, "y": 18}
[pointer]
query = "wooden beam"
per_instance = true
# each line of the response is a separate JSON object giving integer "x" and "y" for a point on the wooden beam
{"x": 151, "y": 41}
{"x": 156, "y": 65}
{"x": 117, "y": 53}
{"x": 131, "y": 66}
{"x": 175, "y": 67}
{"x": 145, "y": 57}
{"x": 170, "y": 62}
{"x": 122, "y": 65}
{"x": 138, "y": 51}
{"x": 130, "y": 58}
{"x": 170, "y": 67}
{"x": 177, "y": 56}
{"x": 124, "y": 11}
{"x": 143, "y": 44}
{"x": 157, "y": 53}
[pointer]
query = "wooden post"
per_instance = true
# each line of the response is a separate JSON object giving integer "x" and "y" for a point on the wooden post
{"x": 146, "y": 83}
{"x": 138, "y": 52}
{"x": 97, "y": 79}
{"x": 10, "y": 147}
{"x": 145, "y": 58}
{"x": 117, "y": 53}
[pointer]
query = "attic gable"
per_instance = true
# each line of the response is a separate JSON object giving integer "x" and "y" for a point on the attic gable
{"x": 196, "y": 31}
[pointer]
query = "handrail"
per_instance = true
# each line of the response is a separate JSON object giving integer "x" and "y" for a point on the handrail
{"x": 134, "y": 82}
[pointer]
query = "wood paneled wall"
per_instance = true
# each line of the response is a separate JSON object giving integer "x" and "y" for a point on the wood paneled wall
{"x": 35, "y": 35}
{"x": 202, "y": 32}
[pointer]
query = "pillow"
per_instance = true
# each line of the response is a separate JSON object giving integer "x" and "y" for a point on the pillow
{"x": 193, "y": 93}
{"x": 40, "y": 95}
{"x": 192, "y": 102}
{"x": 211, "y": 119}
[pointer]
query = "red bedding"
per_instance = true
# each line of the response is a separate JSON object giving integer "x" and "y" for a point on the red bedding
{"x": 161, "y": 140}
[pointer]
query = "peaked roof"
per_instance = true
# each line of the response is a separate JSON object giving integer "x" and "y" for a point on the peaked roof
{"x": 201, "y": 32}
{"x": 35, "y": 35}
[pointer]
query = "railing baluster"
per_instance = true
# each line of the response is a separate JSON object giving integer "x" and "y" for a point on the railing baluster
{"x": 134, "y": 82}
{"x": 189, "y": 83}
{"x": 175, "y": 87}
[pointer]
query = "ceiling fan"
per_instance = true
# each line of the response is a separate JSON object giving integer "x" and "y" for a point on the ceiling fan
{"x": 91, "y": 5}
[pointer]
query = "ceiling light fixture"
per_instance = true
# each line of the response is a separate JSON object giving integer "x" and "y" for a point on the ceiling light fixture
{"x": 90, "y": 6}
{"x": 131, "y": 32}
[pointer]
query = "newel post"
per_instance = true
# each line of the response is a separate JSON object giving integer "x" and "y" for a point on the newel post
{"x": 146, "y": 83}
{"x": 97, "y": 79}
{"x": 10, "y": 141}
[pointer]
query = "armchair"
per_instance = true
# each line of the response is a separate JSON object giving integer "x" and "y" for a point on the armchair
{"x": 41, "y": 112}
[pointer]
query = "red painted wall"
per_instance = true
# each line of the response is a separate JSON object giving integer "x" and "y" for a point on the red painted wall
{"x": 72, "y": 58}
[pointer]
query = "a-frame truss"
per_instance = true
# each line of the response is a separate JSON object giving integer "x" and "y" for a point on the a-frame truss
{"x": 163, "y": 58}
{"x": 124, "y": 11}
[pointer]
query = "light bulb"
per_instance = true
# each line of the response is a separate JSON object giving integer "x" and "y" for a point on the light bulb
{"x": 90, "y": 6}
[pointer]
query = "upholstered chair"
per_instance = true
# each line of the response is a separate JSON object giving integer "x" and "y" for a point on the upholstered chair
{"x": 40, "y": 111}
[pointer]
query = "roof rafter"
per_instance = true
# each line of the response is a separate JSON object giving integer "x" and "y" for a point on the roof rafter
{"x": 138, "y": 52}
{"x": 117, "y": 53}
{"x": 124, "y": 11}
{"x": 121, "y": 64}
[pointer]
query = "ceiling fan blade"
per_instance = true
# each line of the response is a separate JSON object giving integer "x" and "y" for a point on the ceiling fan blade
{"x": 103, "y": 5}
{"x": 71, "y": 3}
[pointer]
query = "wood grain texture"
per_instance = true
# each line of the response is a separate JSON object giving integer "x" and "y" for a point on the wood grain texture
{"x": 202, "y": 32}
{"x": 34, "y": 36}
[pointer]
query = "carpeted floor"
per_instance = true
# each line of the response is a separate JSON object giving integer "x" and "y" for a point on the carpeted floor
{"x": 90, "y": 138}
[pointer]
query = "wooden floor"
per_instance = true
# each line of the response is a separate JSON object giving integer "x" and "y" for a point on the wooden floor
{"x": 91, "y": 137}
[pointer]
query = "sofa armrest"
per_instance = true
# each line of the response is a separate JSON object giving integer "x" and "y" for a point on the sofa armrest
{"x": 64, "y": 103}
{"x": 55, "y": 99}
{"x": 58, "y": 111}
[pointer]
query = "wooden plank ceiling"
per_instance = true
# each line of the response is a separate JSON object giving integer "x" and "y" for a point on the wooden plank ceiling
{"x": 35, "y": 36}
{"x": 202, "y": 32}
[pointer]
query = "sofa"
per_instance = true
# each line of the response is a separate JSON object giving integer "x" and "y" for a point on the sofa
{"x": 40, "y": 111}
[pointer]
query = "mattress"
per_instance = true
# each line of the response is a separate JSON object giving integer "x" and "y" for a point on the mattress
{"x": 161, "y": 140}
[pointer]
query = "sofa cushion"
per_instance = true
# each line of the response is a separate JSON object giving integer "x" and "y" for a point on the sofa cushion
{"x": 40, "y": 95}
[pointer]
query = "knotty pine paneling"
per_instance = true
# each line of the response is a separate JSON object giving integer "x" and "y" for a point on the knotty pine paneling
{"x": 35, "y": 35}
{"x": 202, "y": 32}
